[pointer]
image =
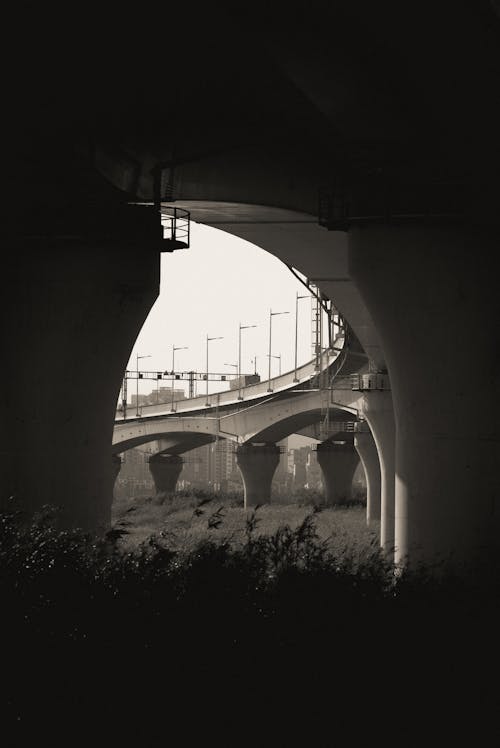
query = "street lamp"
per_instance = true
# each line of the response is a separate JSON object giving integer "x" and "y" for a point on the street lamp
{"x": 242, "y": 327}
{"x": 174, "y": 349}
{"x": 271, "y": 315}
{"x": 137, "y": 383}
{"x": 306, "y": 296}
{"x": 279, "y": 357}
{"x": 208, "y": 340}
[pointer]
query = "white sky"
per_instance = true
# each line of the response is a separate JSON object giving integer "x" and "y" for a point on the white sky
{"x": 220, "y": 281}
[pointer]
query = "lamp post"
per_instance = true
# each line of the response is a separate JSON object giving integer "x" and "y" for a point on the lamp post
{"x": 306, "y": 296}
{"x": 137, "y": 383}
{"x": 242, "y": 327}
{"x": 208, "y": 340}
{"x": 271, "y": 315}
{"x": 174, "y": 349}
{"x": 279, "y": 357}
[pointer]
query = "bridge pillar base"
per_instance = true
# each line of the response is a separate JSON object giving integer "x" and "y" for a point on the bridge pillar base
{"x": 364, "y": 444}
{"x": 338, "y": 463}
{"x": 165, "y": 470}
{"x": 257, "y": 464}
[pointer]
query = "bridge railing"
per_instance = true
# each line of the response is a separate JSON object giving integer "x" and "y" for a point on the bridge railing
{"x": 176, "y": 225}
{"x": 307, "y": 377}
{"x": 369, "y": 381}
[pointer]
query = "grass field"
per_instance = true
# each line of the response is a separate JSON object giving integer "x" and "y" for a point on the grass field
{"x": 185, "y": 520}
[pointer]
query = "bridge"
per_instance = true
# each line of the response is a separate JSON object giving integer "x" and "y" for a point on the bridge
{"x": 324, "y": 398}
{"x": 335, "y": 145}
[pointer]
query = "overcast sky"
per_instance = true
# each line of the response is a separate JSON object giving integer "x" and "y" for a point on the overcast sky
{"x": 210, "y": 288}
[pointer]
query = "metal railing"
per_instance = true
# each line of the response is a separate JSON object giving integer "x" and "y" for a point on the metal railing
{"x": 370, "y": 381}
{"x": 176, "y": 225}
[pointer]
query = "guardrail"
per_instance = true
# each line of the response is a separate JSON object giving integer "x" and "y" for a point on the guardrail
{"x": 176, "y": 226}
{"x": 362, "y": 382}
{"x": 306, "y": 375}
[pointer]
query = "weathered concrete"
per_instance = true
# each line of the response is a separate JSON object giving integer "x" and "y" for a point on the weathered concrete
{"x": 436, "y": 304}
{"x": 338, "y": 462}
{"x": 165, "y": 469}
{"x": 367, "y": 451}
{"x": 69, "y": 316}
{"x": 257, "y": 464}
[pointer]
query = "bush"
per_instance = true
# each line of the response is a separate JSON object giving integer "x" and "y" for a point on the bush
{"x": 264, "y": 615}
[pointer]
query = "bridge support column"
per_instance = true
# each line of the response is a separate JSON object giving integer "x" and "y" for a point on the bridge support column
{"x": 165, "y": 469}
{"x": 257, "y": 464}
{"x": 69, "y": 317}
{"x": 338, "y": 464}
{"x": 367, "y": 451}
{"x": 434, "y": 299}
{"x": 116, "y": 462}
{"x": 378, "y": 410}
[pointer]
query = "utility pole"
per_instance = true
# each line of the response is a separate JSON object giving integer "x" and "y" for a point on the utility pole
{"x": 174, "y": 349}
{"x": 296, "y": 329}
{"x": 271, "y": 315}
{"x": 137, "y": 384}
{"x": 242, "y": 327}
{"x": 124, "y": 396}
{"x": 220, "y": 337}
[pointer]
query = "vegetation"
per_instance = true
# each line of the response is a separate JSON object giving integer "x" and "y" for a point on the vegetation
{"x": 133, "y": 631}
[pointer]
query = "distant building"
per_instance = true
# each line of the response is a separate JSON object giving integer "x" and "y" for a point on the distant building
{"x": 211, "y": 468}
{"x": 159, "y": 395}
{"x": 244, "y": 381}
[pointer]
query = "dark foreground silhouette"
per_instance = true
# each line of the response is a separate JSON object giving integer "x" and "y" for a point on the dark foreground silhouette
{"x": 278, "y": 642}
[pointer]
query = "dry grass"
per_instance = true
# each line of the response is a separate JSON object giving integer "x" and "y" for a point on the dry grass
{"x": 184, "y": 521}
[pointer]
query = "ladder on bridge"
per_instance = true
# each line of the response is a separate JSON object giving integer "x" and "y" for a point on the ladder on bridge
{"x": 319, "y": 355}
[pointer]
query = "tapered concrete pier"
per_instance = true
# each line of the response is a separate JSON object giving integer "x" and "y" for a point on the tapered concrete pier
{"x": 257, "y": 464}
{"x": 338, "y": 462}
{"x": 435, "y": 301}
{"x": 364, "y": 444}
{"x": 165, "y": 469}
{"x": 377, "y": 409}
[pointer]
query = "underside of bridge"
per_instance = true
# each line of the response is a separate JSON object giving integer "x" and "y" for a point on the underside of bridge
{"x": 373, "y": 127}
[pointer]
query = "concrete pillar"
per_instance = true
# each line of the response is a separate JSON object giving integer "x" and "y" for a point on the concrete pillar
{"x": 338, "y": 464}
{"x": 116, "y": 462}
{"x": 69, "y": 317}
{"x": 367, "y": 451}
{"x": 257, "y": 463}
{"x": 378, "y": 411}
{"x": 165, "y": 469}
{"x": 435, "y": 301}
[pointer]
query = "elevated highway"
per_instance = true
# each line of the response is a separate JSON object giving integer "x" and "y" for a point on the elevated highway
{"x": 328, "y": 399}
{"x": 358, "y": 143}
